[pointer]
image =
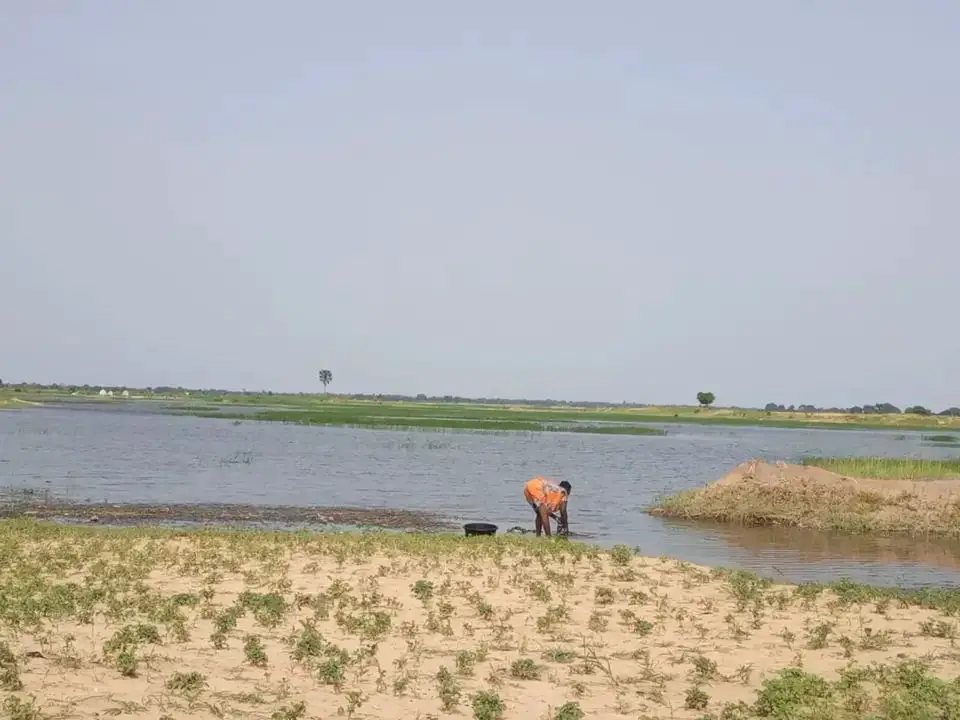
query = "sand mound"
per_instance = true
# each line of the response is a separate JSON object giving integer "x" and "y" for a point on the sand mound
{"x": 761, "y": 493}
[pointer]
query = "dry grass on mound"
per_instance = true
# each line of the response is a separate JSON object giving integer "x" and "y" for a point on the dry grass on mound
{"x": 110, "y": 623}
{"x": 759, "y": 493}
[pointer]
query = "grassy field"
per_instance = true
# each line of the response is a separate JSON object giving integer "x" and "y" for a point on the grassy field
{"x": 158, "y": 624}
{"x": 568, "y": 414}
{"x": 851, "y": 495}
{"x": 888, "y": 468}
{"x": 331, "y": 410}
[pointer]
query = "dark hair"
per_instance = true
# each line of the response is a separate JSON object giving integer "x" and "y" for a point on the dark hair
{"x": 566, "y": 486}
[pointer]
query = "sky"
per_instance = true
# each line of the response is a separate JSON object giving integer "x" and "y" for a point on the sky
{"x": 619, "y": 201}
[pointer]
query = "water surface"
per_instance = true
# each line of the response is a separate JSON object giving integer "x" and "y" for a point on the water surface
{"x": 83, "y": 454}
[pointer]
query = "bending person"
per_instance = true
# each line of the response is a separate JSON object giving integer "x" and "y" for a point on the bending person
{"x": 548, "y": 501}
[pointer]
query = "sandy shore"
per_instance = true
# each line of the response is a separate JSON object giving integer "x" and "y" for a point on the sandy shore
{"x": 101, "y": 622}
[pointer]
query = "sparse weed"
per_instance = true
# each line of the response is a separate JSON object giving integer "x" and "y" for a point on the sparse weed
{"x": 569, "y": 711}
{"x": 695, "y": 698}
{"x": 254, "y": 651}
{"x": 189, "y": 683}
{"x": 604, "y": 596}
{"x": 448, "y": 689}
{"x": 525, "y": 669}
{"x": 9, "y": 669}
{"x": 487, "y": 706}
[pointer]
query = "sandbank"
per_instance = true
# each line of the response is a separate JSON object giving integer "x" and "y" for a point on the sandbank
{"x": 99, "y": 622}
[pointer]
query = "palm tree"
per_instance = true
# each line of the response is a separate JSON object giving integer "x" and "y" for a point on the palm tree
{"x": 325, "y": 377}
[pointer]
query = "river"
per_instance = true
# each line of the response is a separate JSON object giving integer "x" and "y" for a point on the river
{"x": 135, "y": 455}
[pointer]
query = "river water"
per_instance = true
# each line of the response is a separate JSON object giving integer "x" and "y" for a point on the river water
{"x": 135, "y": 455}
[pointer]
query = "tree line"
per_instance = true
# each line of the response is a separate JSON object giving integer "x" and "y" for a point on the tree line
{"x": 874, "y": 409}
{"x": 325, "y": 377}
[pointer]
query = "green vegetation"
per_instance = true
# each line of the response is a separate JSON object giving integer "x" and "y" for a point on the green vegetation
{"x": 533, "y": 416}
{"x": 941, "y": 439}
{"x": 706, "y": 399}
{"x": 888, "y": 468}
{"x": 403, "y": 419}
{"x": 789, "y": 495}
{"x": 325, "y": 377}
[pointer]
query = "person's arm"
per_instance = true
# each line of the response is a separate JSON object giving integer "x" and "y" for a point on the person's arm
{"x": 564, "y": 520}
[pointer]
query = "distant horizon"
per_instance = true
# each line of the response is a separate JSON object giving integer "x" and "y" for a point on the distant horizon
{"x": 451, "y": 397}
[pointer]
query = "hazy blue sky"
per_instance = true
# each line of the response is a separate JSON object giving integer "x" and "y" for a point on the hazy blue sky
{"x": 610, "y": 200}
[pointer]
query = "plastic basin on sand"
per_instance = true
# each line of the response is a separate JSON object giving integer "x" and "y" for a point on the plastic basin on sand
{"x": 479, "y": 529}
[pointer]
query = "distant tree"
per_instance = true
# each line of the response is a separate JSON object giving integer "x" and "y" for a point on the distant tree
{"x": 706, "y": 398}
{"x": 951, "y": 412}
{"x": 918, "y": 410}
{"x": 887, "y": 409}
{"x": 325, "y": 377}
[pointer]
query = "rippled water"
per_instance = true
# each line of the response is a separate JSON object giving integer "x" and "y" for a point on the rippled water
{"x": 82, "y": 454}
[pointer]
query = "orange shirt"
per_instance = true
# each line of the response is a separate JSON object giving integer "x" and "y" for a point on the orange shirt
{"x": 543, "y": 492}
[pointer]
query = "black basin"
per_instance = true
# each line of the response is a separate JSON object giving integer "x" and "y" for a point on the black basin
{"x": 480, "y": 529}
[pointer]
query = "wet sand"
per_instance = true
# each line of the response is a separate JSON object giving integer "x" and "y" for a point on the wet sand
{"x": 126, "y": 514}
{"x": 104, "y": 622}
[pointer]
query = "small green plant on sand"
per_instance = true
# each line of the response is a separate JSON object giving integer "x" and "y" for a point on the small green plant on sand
{"x": 9, "y": 669}
{"x": 254, "y": 651}
{"x": 189, "y": 683}
{"x": 422, "y": 590}
{"x": 695, "y": 698}
{"x": 525, "y": 669}
{"x": 16, "y": 708}
{"x": 603, "y": 596}
{"x": 642, "y": 627}
{"x": 569, "y": 711}
{"x": 448, "y": 689}
{"x": 294, "y": 711}
{"x": 621, "y": 555}
{"x": 487, "y": 706}
{"x": 465, "y": 661}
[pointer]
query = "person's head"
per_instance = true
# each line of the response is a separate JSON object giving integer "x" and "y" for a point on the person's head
{"x": 566, "y": 486}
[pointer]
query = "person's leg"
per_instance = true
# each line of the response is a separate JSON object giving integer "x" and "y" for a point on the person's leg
{"x": 543, "y": 516}
{"x": 536, "y": 514}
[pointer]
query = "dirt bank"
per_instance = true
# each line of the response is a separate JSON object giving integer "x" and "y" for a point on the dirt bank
{"x": 100, "y": 622}
{"x": 760, "y": 493}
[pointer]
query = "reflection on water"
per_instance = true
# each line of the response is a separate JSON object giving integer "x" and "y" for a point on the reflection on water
{"x": 81, "y": 455}
{"x": 809, "y": 555}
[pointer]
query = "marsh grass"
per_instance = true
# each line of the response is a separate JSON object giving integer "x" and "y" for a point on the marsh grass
{"x": 387, "y": 625}
{"x": 941, "y": 439}
{"x": 514, "y": 423}
{"x": 887, "y": 468}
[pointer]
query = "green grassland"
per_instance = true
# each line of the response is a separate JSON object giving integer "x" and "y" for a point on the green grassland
{"x": 888, "y": 468}
{"x": 334, "y": 410}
